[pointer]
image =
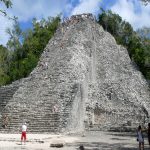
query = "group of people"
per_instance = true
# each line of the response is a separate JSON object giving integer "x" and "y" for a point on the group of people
{"x": 140, "y": 136}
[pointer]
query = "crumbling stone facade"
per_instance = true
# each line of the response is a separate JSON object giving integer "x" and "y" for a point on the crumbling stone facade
{"x": 84, "y": 80}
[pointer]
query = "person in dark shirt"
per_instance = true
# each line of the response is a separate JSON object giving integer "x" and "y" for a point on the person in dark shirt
{"x": 148, "y": 133}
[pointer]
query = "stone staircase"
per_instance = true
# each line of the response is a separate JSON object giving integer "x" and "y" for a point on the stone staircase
{"x": 39, "y": 116}
{"x": 6, "y": 94}
{"x": 44, "y": 121}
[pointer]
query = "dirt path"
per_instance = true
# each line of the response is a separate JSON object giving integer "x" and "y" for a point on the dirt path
{"x": 91, "y": 141}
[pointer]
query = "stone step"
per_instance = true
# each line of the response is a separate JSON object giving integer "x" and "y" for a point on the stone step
{"x": 47, "y": 114}
{"x": 6, "y": 93}
{"x": 32, "y": 128}
{"x": 35, "y": 125}
{"x": 38, "y": 130}
{"x": 16, "y": 113}
{"x": 35, "y": 118}
{"x": 52, "y": 119}
{"x": 38, "y": 120}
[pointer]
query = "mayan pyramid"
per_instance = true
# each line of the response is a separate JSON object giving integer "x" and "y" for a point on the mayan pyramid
{"x": 83, "y": 81}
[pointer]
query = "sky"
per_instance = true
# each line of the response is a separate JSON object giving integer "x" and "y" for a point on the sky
{"x": 133, "y": 11}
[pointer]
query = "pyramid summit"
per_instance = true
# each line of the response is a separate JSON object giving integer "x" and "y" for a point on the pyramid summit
{"x": 83, "y": 81}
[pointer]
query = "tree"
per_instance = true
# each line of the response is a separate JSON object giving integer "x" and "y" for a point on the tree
{"x": 4, "y": 78}
{"x": 114, "y": 24}
{"x": 15, "y": 34}
{"x": 7, "y": 3}
{"x": 145, "y": 1}
{"x": 144, "y": 33}
{"x": 39, "y": 37}
{"x": 27, "y": 46}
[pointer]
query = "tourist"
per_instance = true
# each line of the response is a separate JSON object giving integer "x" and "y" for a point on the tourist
{"x": 5, "y": 121}
{"x": 62, "y": 30}
{"x": 46, "y": 65}
{"x": 148, "y": 133}
{"x": 55, "y": 108}
{"x": 140, "y": 138}
{"x": 23, "y": 134}
{"x": 61, "y": 46}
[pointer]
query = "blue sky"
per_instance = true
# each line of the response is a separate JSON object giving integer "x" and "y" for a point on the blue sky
{"x": 130, "y": 10}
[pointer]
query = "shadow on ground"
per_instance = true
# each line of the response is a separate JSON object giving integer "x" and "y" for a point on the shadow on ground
{"x": 130, "y": 134}
{"x": 103, "y": 146}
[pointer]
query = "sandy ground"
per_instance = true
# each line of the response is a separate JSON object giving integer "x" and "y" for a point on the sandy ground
{"x": 91, "y": 141}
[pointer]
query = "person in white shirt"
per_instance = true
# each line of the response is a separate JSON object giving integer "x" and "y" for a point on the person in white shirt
{"x": 23, "y": 135}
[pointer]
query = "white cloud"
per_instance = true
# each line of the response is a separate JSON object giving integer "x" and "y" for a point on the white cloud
{"x": 133, "y": 11}
{"x": 25, "y": 10}
{"x": 86, "y": 6}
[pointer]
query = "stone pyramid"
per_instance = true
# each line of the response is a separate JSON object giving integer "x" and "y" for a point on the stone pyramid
{"x": 84, "y": 80}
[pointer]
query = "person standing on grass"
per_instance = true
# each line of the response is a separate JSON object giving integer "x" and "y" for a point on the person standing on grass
{"x": 23, "y": 134}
